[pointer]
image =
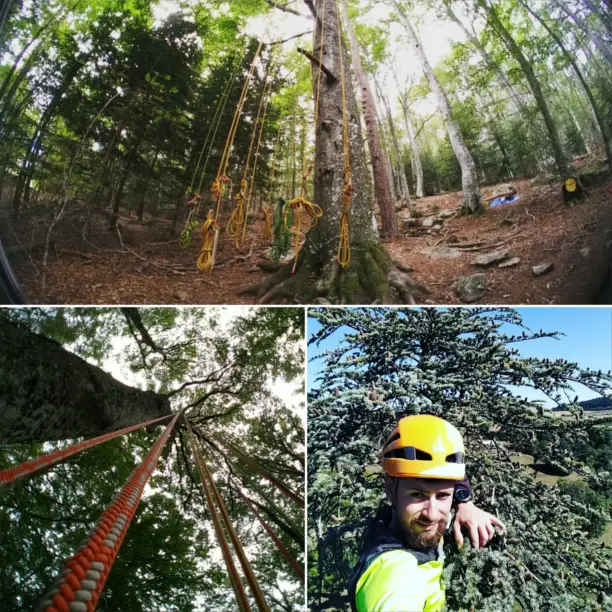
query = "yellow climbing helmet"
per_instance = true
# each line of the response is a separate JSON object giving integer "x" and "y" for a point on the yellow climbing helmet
{"x": 424, "y": 446}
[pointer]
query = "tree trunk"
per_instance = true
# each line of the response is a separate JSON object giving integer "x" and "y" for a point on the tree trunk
{"x": 384, "y": 196}
{"x": 403, "y": 181}
{"x": 600, "y": 44}
{"x": 48, "y": 393}
{"x": 472, "y": 201}
{"x": 146, "y": 186}
{"x": 514, "y": 96}
{"x": 35, "y": 144}
{"x": 122, "y": 181}
{"x": 603, "y": 128}
{"x": 414, "y": 146}
{"x": 562, "y": 165}
{"x": 371, "y": 276}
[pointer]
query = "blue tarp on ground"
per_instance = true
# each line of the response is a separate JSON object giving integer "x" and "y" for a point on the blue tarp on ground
{"x": 501, "y": 201}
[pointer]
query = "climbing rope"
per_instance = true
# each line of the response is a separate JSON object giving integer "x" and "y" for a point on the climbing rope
{"x": 237, "y": 469}
{"x": 27, "y": 468}
{"x": 244, "y": 562}
{"x": 281, "y": 547}
{"x": 79, "y": 585}
{"x": 238, "y": 217}
{"x": 344, "y": 247}
{"x": 235, "y": 580}
{"x": 305, "y": 217}
{"x": 191, "y": 223}
{"x": 206, "y": 260}
{"x": 210, "y": 231}
{"x": 261, "y": 129}
{"x": 249, "y": 461}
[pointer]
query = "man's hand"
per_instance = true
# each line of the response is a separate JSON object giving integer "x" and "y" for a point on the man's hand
{"x": 480, "y": 525}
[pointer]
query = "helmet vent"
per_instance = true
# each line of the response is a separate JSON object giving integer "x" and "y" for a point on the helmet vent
{"x": 455, "y": 458}
{"x": 410, "y": 453}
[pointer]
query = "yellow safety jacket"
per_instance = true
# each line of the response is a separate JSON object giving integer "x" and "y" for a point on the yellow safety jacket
{"x": 390, "y": 577}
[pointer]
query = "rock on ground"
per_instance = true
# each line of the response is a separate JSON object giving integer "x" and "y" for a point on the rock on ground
{"x": 471, "y": 288}
{"x": 510, "y": 263}
{"x": 542, "y": 269}
{"x": 442, "y": 252}
{"x": 488, "y": 259}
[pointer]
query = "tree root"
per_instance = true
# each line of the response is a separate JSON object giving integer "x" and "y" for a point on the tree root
{"x": 371, "y": 278}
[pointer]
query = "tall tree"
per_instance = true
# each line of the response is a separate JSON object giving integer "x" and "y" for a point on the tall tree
{"x": 379, "y": 163}
{"x": 472, "y": 201}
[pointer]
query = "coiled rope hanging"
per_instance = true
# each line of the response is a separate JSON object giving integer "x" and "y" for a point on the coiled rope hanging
{"x": 31, "y": 466}
{"x": 210, "y": 233}
{"x": 79, "y": 585}
{"x": 344, "y": 247}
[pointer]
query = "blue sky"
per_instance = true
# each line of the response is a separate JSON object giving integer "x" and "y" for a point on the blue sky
{"x": 587, "y": 340}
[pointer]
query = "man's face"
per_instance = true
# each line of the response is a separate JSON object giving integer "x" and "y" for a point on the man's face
{"x": 421, "y": 507}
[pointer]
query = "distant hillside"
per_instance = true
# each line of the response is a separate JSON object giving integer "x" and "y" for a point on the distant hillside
{"x": 599, "y": 403}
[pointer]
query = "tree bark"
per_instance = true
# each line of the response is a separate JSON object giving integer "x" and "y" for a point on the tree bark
{"x": 562, "y": 165}
{"x": 146, "y": 186}
{"x": 384, "y": 196}
{"x": 403, "y": 181}
{"x": 472, "y": 201}
{"x": 48, "y": 393}
{"x": 124, "y": 176}
{"x": 414, "y": 146}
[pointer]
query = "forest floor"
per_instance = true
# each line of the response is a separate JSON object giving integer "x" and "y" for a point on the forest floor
{"x": 537, "y": 229}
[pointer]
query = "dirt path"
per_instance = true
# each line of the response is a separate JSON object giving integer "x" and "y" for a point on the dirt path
{"x": 538, "y": 229}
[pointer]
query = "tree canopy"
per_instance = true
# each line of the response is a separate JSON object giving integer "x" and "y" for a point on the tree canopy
{"x": 238, "y": 375}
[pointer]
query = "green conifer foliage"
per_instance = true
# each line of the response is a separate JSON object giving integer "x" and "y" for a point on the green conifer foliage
{"x": 462, "y": 365}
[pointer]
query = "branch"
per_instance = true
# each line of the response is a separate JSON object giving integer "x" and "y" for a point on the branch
{"x": 212, "y": 377}
{"x": 280, "y": 42}
{"x": 284, "y": 8}
{"x": 424, "y": 122}
{"x": 330, "y": 75}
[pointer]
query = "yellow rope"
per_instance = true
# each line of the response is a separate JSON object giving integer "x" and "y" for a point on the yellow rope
{"x": 305, "y": 217}
{"x": 248, "y": 200}
{"x": 206, "y": 258}
{"x": 209, "y": 230}
{"x": 237, "y": 225}
{"x": 234, "y": 225}
{"x": 344, "y": 247}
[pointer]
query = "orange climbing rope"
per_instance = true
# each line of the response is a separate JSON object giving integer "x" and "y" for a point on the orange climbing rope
{"x": 275, "y": 481}
{"x": 27, "y": 468}
{"x": 281, "y": 547}
{"x": 344, "y": 247}
{"x": 234, "y": 576}
{"x": 79, "y": 585}
{"x": 206, "y": 260}
{"x": 244, "y": 562}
